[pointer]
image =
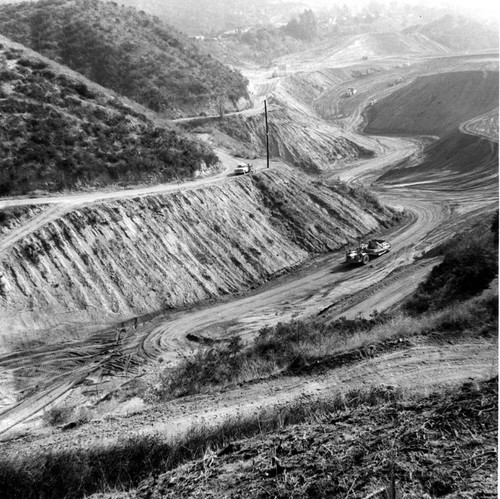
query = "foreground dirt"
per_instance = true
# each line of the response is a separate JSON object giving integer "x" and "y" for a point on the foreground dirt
{"x": 408, "y": 365}
{"x": 442, "y": 445}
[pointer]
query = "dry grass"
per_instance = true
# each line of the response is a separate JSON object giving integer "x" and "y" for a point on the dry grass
{"x": 80, "y": 472}
{"x": 298, "y": 344}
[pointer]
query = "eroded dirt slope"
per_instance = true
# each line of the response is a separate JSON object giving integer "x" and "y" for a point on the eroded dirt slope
{"x": 296, "y": 132}
{"x": 435, "y": 104}
{"x": 458, "y": 160}
{"x": 118, "y": 259}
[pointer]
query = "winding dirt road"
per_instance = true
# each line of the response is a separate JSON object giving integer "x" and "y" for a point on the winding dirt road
{"x": 433, "y": 215}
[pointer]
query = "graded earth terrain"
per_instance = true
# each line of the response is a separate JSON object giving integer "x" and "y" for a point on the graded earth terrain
{"x": 102, "y": 289}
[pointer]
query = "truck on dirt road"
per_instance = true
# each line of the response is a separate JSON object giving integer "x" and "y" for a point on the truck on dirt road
{"x": 365, "y": 251}
{"x": 243, "y": 168}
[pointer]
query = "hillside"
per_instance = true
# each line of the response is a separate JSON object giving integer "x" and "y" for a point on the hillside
{"x": 58, "y": 132}
{"x": 126, "y": 258}
{"x": 459, "y": 33}
{"x": 126, "y": 50}
{"x": 435, "y": 104}
{"x": 470, "y": 158}
{"x": 356, "y": 448}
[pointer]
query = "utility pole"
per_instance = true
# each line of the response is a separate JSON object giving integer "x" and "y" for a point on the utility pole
{"x": 267, "y": 132}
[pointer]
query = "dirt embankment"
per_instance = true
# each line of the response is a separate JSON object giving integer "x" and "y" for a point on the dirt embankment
{"x": 457, "y": 161}
{"x": 443, "y": 105}
{"x": 435, "y": 104}
{"x": 107, "y": 262}
{"x": 296, "y": 133}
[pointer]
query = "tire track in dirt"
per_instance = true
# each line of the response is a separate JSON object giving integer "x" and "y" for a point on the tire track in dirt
{"x": 419, "y": 367}
{"x": 323, "y": 283}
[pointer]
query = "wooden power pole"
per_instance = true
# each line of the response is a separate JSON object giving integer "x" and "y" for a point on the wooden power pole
{"x": 267, "y": 132}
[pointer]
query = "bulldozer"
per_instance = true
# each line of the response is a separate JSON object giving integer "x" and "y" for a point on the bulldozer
{"x": 365, "y": 251}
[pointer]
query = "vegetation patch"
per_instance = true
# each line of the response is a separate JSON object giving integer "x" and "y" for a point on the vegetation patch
{"x": 15, "y": 214}
{"x": 311, "y": 345}
{"x": 376, "y": 444}
{"x": 56, "y": 133}
{"x": 470, "y": 264}
{"x": 351, "y": 442}
{"x": 126, "y": 50}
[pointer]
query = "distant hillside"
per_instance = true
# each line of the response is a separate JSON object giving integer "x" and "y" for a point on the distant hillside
{"x": 129, "y": 51}
{"x": 57, "y": 132}
{"x": 215, "y": 16}
{"x": 460, "y": 33}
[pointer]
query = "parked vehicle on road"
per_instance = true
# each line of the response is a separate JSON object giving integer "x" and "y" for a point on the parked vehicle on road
{"x": 365, "y": 251}
{"x": 243, "y": 168}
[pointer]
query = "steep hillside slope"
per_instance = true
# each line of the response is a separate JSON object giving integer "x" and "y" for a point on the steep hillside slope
{"x": 296, "y": 133}
{"x": 457, "y": 160}
{"x": 350, "y": 449}
{"x": 446, "y": 105}
{"x": 131, "y": 52}
{"x": 119, "y": 259}
{"x": 354, "y": 47}
{"x": 435, "y": 104}
{"x": 57, "y": 133}
{"x": 459, "y": 33}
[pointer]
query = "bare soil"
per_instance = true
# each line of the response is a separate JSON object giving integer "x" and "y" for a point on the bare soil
{"x": 88, "y": 370}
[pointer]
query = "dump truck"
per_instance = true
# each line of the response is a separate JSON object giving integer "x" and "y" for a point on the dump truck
{"x": 365, "y": 251}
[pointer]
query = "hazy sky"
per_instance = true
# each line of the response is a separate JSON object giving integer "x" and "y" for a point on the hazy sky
{"x": 485, "y": 8}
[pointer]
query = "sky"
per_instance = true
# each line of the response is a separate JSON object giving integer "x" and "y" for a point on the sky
{"x": 483, "y": 8}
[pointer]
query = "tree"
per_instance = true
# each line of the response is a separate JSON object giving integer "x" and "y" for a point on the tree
{"x": 305, "y": 28}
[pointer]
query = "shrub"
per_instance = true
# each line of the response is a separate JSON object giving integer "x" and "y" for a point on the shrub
{"x": 469, "y": 265}
{"x": 275, "y": 348}
{"x": 66, "y": 415}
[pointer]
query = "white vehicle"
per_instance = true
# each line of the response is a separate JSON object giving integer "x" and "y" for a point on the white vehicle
{"x": 243, "y": 168}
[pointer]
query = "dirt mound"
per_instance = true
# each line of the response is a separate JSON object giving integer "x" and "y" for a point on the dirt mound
{"x": 442, "y": 445}
{"x": 435, "y": 104}
{"x": 455, "y": 162}
{"x": 485, "y": 125}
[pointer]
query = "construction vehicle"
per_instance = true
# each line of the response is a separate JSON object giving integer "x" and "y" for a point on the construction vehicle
{"x": 365, "y": 251}
{"x": 350, "y": 91}
{"x": 243, "y": 168}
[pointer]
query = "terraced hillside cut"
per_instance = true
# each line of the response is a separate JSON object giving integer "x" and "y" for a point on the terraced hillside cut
{"x": 121, "y": 259}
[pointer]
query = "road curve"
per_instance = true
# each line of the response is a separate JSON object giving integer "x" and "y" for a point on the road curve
{"x": 433, "y": 215}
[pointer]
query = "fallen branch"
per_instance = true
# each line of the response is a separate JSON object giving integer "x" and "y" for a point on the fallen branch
{"x": 376, "y": 492}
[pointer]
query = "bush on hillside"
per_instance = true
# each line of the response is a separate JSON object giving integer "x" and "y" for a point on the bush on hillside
{"x": 275, "y": 348}
{"x": 125, "y": 50}
{"x": 469, "y": 265}
{"x": 57, "y": 133}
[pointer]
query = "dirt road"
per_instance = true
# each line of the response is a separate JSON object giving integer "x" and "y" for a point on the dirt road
{"x": 418, "y": 366}
{"x": 433, "y": 215}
